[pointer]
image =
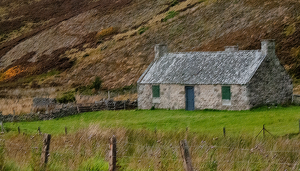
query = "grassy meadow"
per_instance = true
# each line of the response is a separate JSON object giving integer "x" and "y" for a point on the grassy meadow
{"x": 148, "y": 140}
{"x": 278, "y": 120}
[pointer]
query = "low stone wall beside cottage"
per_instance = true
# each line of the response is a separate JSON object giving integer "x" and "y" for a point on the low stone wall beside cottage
{"x": 296, "y": 99}
{"x": 63, "y": 110}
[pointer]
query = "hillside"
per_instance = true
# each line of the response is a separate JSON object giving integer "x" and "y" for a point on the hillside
{"x": 66, "y": 44}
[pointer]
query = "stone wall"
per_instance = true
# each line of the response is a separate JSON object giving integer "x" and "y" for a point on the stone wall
{"x": 145, "y": 96}
{"x": 271, "y": 84}
{"x": 210, "y": 97}
{"x": 42, "y": 102}
{"x": 296, "y": 99}
{"x": 172, "y": 96}
{"x": 63, "y": 112}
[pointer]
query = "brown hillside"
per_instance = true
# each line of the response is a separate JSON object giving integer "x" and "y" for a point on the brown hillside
{"x": 73, "y": 47}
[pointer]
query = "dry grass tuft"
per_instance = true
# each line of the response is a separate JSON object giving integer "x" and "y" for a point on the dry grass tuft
{"x": 106, "y": 32}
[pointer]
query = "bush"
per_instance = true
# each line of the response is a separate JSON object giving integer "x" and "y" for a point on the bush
{"x": 97, "y": 83}
{"x": 66, "y": 98}
{"x": 174, "y": 2}
{"x": 171, "y": 14}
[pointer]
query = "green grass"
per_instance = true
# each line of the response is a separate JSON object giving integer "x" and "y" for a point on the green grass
{"x": 171, "y": 14}
{"x": 279, "y": 121}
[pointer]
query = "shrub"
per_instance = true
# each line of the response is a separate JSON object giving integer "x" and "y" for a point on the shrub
{"x": 142, "y": 30}
{"x": 97, "y": 83}
{"x": 106, "y": 32}
{"x": 66, "y": 97}
{"x": 174, "y": 2}
{"x": 171, "y": 14}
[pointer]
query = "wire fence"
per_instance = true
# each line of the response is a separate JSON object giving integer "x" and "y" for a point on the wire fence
{"x": 151, "y": 150}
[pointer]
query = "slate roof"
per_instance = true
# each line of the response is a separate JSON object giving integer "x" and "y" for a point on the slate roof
{"x": 224, "y": 67}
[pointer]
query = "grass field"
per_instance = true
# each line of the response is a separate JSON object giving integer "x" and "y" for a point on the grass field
{"x": 279, "y": 121}
{"x": 148, "y": 140}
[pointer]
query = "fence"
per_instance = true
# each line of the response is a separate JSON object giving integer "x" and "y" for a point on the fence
{"x": 107, "y": 105}
{"x": 68, "y": 110}
{"x": 154, "y": 150}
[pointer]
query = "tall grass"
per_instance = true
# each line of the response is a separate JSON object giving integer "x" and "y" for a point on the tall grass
{"x": 142, "y": 149}
{"x": 149, "y": 140}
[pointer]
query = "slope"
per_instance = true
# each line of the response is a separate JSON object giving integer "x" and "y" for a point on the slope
{"x": 118, "y": 46}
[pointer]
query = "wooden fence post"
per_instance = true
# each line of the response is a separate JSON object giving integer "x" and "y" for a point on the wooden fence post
{"x": 186, "y": 155}
{"x": 299, "y": 125}
{"x": 113, "y": 154}
{"x": 224, "y": 131}
{"x": 45, "y": 150}
{"x": 2, "y": 129}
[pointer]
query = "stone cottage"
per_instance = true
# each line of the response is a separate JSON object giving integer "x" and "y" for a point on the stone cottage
{"x": 226, "y": 80}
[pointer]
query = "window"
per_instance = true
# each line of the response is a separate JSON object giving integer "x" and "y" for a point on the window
{"x": 226, "y": 94}
{"x": 155, "y": 91}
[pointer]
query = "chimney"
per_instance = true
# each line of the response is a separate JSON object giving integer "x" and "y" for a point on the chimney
{"x": 231, "y": 48}
{"x": 268, "y": 47}
{"x": 160, "y": 50}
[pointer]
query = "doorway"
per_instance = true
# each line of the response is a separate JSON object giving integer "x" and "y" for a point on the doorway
{"x": 190, "y": 98}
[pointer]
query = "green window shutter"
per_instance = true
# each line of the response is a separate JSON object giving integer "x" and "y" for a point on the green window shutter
{"x": 155, "y": 91}
{"x": 226, "y": 94}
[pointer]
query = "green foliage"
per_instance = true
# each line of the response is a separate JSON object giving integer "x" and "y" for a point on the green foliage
{"x": 212, "y": 165}
{"x": 88, "y": 90}
{"x": 171, "y": 14}
{"x": 142, "y": 30}
{"x": 85, "y": 90}
{"x": 97, "y": 83}
{"x": 67, "y": 97}
{"x": 94, "y": 164}
{"x": 49, "y": 74}
{"x": 2, "y": 159}
{"x": 35, "y": 159}
{"x": 174, "y": 2}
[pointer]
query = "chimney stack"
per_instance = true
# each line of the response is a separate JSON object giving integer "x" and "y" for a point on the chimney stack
{"x": 160, "y": 50}
{"x": 268, "y": 47}
{"x": 231, "y": 48}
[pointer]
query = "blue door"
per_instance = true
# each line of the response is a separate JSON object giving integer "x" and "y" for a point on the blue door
{"x": 189, "y": 97}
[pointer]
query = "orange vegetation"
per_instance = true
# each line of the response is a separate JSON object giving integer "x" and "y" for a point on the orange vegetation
{"x": 12, "y": 72}
{"x": 106, "y": 32}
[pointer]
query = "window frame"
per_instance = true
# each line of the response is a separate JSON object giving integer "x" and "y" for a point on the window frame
{"x": 225, "y": 100}
{"x": 155, "y": 91}
{"x": 227, "y": 94}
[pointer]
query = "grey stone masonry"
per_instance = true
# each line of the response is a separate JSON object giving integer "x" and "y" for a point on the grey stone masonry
{"x": 270, "y": 84}
{"x": 249, "y": 78}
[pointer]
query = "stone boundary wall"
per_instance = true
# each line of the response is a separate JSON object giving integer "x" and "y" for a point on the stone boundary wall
{"x": 70, "y": 109}
{"x": 296, "y": 99}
